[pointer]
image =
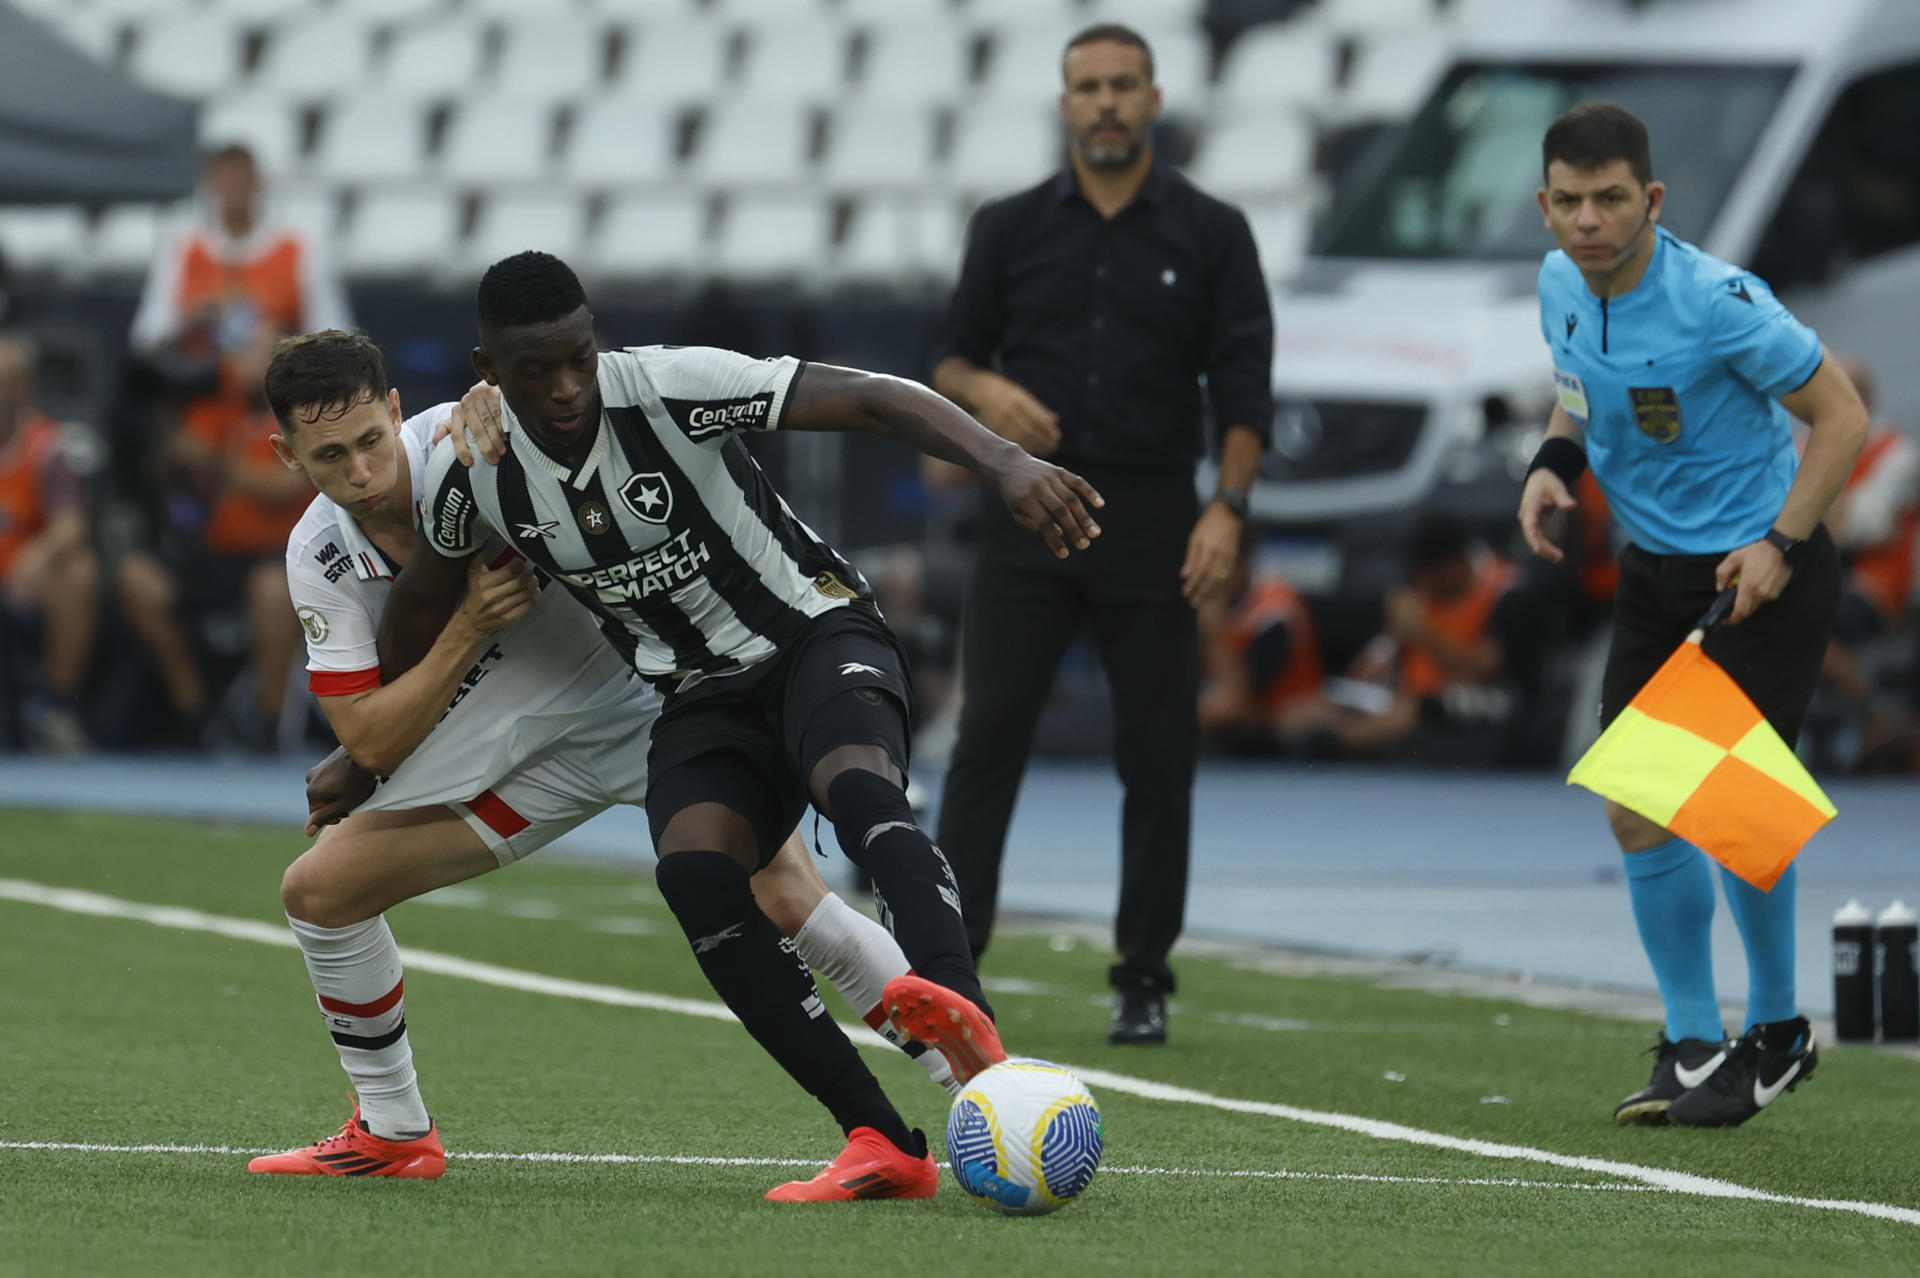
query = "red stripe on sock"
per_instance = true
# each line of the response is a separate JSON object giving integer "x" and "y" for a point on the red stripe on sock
{"x": 384, "y": 1003}
{"x": 498, "y": 814}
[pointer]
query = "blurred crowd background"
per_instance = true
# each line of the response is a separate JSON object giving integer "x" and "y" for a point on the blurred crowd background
{"x": 182, "y": 182}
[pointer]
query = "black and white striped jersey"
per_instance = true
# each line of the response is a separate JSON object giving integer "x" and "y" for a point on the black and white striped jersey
{"x": 669, "y": 531}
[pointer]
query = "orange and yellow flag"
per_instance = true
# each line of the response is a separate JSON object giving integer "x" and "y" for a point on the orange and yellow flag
{"x": 1693, "y": 754}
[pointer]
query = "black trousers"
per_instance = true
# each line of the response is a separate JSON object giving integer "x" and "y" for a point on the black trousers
{"x": 1023, "y": 608}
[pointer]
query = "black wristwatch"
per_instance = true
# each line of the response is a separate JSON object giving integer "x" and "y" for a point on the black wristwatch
{"x": 1234, "y": 499}
{"x": 1793, "y": 550}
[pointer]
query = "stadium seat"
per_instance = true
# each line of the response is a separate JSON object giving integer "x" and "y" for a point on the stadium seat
{"x": 187, "y": 55}
{"x": 901, "y": 237}
{"x": 1390, "y": 78}
{"x": 797, "y": 62}
{"x": 253, "y": 13}
{"x": 553, "y": 222}
{"x": 652, "y": 235}
{"x": 267, "y": 126}
{"x": 900, "y": 12}
{"x": 438, "y": 61}
{"x": 1291, "y": 64}
{"x": 736, "y": 13}
{"x": 97, "y": 35}
{"x": 313, "y": 59}
{"x": 1023, "y": 65}
{"x": 998, "y": 149}
{"x": 47, "y": 236}
{"x": 1282, "y": 230}
{"x": 1145, "y": 16}
{"x": 408, "y": 231}
{"x": 618, "y": 141}
{"x": 925, "y": 63}
{"x": 311, "y": 209}
{"x": 493, "y": 139}
{"x": 674, "y": 62}
{"x": 541, "y": 11}
{"x": 1182, "y": 67}
{"x": 1367, "y": 17}
{"x": 886, "y": 149}
{"x": 394, "y": 11}
{"x": 552, "y": 61}
{"x": 749, "y": 142}
{"x": 1007, "y": 15}
{"x": 1252, "y": 155}
{"x": 126, "y": 238}
{"x": 369, "y": 137}
{"x": 642, "y": 11}
{"x": 774, "y": 237}
{"x": 140, "y": 10}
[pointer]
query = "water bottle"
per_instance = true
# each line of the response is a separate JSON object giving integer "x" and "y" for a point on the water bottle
{"x": 1893, "y": 960}
{"x": 1853, "y": 973}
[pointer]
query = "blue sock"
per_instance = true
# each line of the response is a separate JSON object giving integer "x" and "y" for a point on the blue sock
{"x": 1672, "y": 892}
{"x": 1765, "y": 920}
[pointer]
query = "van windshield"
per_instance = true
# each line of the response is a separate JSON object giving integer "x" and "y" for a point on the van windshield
{"x": 1460, "y": 182}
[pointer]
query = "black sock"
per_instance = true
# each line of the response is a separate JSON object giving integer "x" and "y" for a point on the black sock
{"x": 754, "y": 969}
{"x": 915, "y": 888}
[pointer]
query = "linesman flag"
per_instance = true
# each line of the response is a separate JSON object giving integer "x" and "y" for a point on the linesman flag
{"x": 1692, "y": 753}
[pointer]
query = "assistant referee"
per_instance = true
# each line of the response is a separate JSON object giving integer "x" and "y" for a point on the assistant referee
{"x": 1088, "y": 310}
{"x": 1675, "y": 374}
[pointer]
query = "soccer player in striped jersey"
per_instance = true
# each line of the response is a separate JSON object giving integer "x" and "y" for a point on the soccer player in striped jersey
{"x": 518, "y": 726}
{"x": 623, "y": 477}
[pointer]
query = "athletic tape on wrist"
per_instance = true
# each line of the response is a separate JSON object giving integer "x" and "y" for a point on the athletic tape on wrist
{"x": 1562, "y": 456}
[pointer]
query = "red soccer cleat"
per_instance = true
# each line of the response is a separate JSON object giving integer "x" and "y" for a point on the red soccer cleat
{"x": 952, "y": 1025}
{"x": 355, "y": 1151}
{"x": 871, "y": 1166}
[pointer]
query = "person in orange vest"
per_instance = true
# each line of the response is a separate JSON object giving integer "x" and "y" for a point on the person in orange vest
{"x": 1259, "y": 654}
{"x": 1875, "y": 520}
{"x": 47, "y": 566}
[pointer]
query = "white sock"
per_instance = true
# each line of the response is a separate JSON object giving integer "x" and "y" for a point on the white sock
{"x": 357, "y": 978}
{"x": 858, "y": 957}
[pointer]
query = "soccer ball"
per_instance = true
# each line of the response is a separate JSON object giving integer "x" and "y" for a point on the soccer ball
{"x": 1025, "y": 1137}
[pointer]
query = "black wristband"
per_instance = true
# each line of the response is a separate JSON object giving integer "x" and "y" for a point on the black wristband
{"x": 1562, "y": 456}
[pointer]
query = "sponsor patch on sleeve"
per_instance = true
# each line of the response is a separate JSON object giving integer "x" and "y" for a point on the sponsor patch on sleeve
{"x": 1572, "y": 393}
{"x": 707, "y": 418}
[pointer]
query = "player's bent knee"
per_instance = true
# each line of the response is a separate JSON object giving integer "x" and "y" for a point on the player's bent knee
{"x": 312, "y": 893}
{"x": 850, "y": 761}
{"x": 788, "y": 892}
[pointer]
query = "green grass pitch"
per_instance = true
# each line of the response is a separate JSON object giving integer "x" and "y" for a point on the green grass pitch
{"x": 116, "y": 1032}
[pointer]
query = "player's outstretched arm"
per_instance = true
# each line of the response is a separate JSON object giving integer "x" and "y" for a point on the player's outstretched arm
{"x": 1043, "y": 497}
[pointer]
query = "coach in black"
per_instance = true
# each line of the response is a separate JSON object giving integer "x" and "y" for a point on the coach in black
{"x": 1089, "y": 309}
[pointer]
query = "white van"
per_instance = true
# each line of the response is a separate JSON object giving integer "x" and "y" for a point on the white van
{"x": 1409, "y": 368}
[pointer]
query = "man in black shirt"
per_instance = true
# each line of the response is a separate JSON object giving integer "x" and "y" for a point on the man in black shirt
{"x": 1088, "y": 309}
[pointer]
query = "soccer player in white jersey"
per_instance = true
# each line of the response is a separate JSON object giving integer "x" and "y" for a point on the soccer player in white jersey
{"x": 624, "y": 479}
{"x": 519, "y": 725}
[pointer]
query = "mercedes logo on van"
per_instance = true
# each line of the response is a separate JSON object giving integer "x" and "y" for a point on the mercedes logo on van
{"x": 1297, "y": 430}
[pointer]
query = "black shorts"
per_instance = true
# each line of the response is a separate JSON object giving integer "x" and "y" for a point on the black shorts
{"x": 749, "y": 741}
{"x": 1774, "y": 655}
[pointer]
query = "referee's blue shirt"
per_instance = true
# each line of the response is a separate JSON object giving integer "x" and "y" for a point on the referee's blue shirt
{"x": 1676, "y": 384}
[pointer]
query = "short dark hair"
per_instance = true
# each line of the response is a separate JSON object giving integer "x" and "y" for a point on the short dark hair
{"x": 1437, "y": 539}
{"x": 329, "y": 373}
{"x": 231, "y": 151}
{"x": 1593, "y": 135}
{"x": 1114, "y": 31}
{"x": 528, "y": 288}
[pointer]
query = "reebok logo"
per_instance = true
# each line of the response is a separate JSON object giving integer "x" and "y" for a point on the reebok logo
{"x": 1692, "y": 1078}
{"x": 704, "y": 418}
{"x": 855, "y": 667}
{"x": 544, "y": 530}
{"x": 707, "y": 944}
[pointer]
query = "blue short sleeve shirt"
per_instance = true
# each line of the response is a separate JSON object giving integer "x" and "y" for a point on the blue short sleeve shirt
{"x": 1677, "y": 384}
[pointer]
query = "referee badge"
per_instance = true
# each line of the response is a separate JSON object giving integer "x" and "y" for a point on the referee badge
{"x": 648, "y": 496}
{"x": 1657, "y": 410}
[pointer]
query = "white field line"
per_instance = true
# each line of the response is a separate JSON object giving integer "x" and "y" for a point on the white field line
{"x": 76, "y": 901}
{"x": 707, "y": 1160}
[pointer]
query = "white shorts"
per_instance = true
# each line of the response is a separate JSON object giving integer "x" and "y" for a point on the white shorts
{"x": 587, "y": 771}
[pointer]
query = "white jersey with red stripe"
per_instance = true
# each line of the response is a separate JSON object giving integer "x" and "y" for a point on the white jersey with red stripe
{"x": 534, "y": 683}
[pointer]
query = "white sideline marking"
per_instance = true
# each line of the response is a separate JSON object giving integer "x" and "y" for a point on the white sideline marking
{"x": 75, "y": 901}
{"x": 704, "y": 1160}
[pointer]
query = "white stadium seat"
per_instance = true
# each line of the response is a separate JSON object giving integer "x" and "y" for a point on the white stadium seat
{"x": 1011, "y": 14}
{"x": 890, "y": 149}
{"x": 370, "y": 137}
{"x": 313, "y": 210}
{"x": 553, "y": 222}
{"x": 438, "y": 61}
{"x": 774, "y": 237}
{"x": 1291, "y": 64}
{"x": 1145, "y": 15}
{"x": 552, "y": 60}
{"x": 45, "y": 236}
{"x": 1282, "y": 232}
{"x": 999, "y": 149}
{"x": 926, "y": 63}
{"x": 406, "y": 231}
{"x": 620, "y": 142}
{"x": 903, "y": 12}
{"x": 643, "y": 11}
{"x": 1359, "y": 17}
{"x": 502, "y": 139}
{"x": 677, "y": 62}
{"x": 750, "y": 12}
{"x": 1262, "y": 154}
{"x": 255, "y": 13}
{"x": 189, "y": 55}
{"x": 127, "y": 237}
{"x": 798, "y": 62}
{"x": 531, "y": 11}
{"x": 315, "y": 59}
{"x": 1391, "y": 77}
{"x": 752, "y": 142}
{"x": 652, "y": 235}
{"x": 266, "y": 126}
{"x": 138, "y": 9}
{"x": 393, "y": 10}
{"x": 1023, "y": 65}
{"x": 892, "y": 237}
{"x": 95, "y": 34}
{"x": 1182, "y": 67}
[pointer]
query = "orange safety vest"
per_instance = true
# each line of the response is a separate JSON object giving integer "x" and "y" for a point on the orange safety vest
{"x": 267, "y": 279}
{"x": 23, "y": 499}
{"x": 240, "y": 524}
{"x": 1464, "y": 619}
{"x": 1883, "y": 571}
{"x": 1270, "y": 601}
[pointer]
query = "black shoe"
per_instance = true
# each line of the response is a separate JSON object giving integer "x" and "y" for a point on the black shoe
{"x": 1677, "y": 1069}
{"x": 1766, "y": 1061}
{"x": 1139, "y": 1016}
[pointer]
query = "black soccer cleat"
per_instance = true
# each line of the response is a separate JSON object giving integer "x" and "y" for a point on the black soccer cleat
{"x": 1139, "y": 1016}
{"x": 1766, "y": 1061}
{"x": 1677, "y": 1069}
